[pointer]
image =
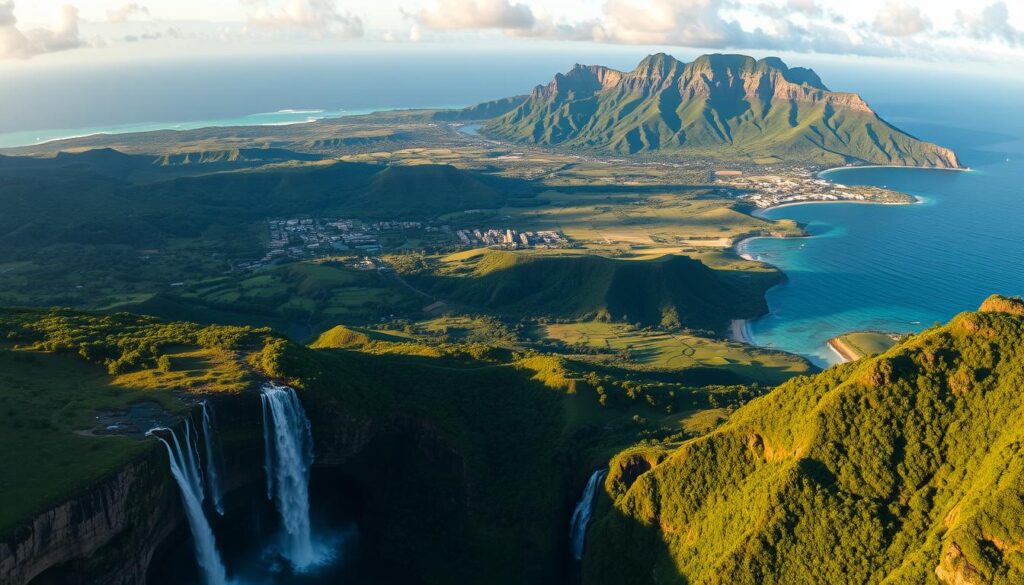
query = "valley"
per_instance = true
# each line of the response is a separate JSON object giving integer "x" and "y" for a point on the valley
{"x": 381, "y": 348}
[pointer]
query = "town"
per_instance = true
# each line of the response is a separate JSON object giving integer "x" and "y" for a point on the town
{"x": 304, "y": 238}
{"x": 802, "y": 185}
{"x": 510, "y": 238}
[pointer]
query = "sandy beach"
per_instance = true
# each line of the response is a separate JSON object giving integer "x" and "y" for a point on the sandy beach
{"x": 845, "y": 353}
{"x": 739, "y": 331}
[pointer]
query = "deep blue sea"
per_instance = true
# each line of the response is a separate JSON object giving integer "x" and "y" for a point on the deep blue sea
{"x": 903, "y": 268}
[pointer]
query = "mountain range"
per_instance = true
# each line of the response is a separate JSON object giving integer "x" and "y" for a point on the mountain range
{"x": 725, "y": 106}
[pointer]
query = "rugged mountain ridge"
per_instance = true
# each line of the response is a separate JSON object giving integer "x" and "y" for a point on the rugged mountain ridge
{"x": 900, "y": 468}
{"x": 724, "y": 105}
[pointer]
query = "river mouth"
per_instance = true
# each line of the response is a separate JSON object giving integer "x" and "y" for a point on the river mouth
{"x": 249, "y": 532}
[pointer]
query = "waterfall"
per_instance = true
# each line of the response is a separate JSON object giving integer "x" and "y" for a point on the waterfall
{"x": 214, "y": 459}
{"x": 186, "y": 474}
{"x": 191, "y": 462}
{"x": 581, "y": 515}
{"x": 289, "y": 441}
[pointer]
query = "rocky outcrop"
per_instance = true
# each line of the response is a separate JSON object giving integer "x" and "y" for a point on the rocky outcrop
{"x": 1001, "y": 304}
{"x": 954, "y": 569}
{"x": 105, "y": 534}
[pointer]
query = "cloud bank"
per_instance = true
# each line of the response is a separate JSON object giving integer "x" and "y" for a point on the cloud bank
{"x": 899, "y": 28}
{"x": 316, "y": 18}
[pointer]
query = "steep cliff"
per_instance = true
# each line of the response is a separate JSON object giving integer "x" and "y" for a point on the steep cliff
{"x": 105, "y": 534}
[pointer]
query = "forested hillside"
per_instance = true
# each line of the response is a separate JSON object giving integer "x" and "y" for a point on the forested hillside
{"x": 902, "y": 468}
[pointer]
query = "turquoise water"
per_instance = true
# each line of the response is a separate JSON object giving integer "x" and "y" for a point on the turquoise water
{"x": 899, "y": 268}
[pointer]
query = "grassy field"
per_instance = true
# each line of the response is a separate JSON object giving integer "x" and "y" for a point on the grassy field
{"x": 663, "y": 350}
{"x": 80, "y": 390}
{"x": 624, "y": 222}
{"x": 49, "y": 400}
{"x": 859, "y": 344}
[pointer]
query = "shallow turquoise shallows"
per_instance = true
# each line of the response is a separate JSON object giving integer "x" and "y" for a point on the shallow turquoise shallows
{"x": 899, "y": 268}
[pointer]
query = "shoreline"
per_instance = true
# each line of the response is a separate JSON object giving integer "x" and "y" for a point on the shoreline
{"x": 740, "y": 328}
{"x": 759, "y": 212}
{"x": 852, "y": 167}
{"x": 739, "y": 331}
{"x": 846, "y": 354}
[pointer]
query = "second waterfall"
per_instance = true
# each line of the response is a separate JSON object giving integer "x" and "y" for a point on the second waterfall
{"x": 288, "y": 440}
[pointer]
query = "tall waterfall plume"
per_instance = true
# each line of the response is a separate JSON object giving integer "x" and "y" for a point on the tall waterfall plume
{"x": 289, "y": 440}
{"x": 214, "y": 458}
{"x": 185, "y": 470}
{"x": 581, "y": 515}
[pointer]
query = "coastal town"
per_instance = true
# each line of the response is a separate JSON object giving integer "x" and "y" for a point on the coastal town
{"x": 799, "y": 185}
{"x": 301, "y": 238}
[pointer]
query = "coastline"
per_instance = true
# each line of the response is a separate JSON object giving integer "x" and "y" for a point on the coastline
{"x": 739, "y": 331}
{"x": 740, "y": 328}
{"x": 833, "y": 169}
{"x": 846, "y": 354}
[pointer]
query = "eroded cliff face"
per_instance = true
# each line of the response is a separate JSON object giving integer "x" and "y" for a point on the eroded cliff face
{"x": 105, "y": 534}
{"x": 109, "y": 533}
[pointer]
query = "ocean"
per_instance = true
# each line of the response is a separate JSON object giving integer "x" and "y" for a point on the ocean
{"x": 903, "y": 268}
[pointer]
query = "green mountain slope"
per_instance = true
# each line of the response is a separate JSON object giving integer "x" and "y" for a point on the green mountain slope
{"x": 903, "y": 468}
{"x": 672, "y": 290}
{"x": 721, "y": 105}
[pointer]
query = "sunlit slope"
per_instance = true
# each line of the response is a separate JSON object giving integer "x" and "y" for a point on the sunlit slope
{"x": 902, "y": 468}
{"x": 722, "y": 105}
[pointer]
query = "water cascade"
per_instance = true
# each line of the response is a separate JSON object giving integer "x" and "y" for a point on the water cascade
{"x": 213, "y": 459}
{"x": 581, "y": 515}
{"x": 288, "y": 439}
{"x": 185, "y": 470}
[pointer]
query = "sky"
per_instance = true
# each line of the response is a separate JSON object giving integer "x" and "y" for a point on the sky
{"x": 970, "y": 33}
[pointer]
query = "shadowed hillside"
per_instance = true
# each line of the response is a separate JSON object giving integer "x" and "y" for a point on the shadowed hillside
{"x": 719, "y": 105}
{"x": 669, "y": 291}
{"x": 903, "y": 468}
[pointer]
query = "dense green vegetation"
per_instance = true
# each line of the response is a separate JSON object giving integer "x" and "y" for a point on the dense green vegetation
{"x": 466, "y": 431}
{"x": 66, "y": 376}
{"x": 903, "y": 468}
{"x": 670, "y": 291}
{"x": 498, "y": 447}
{"x": 300, "y": 299}
{"x": 728, "y": 106}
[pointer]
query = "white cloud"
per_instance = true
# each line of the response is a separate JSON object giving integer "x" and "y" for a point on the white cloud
{"x": 476, "y": 14}
{"x": 127, "y": 12}
{"x": 991, "y": 23}
{"x": 318, "y": 18}
{"x": 695, "y": 23}
{"x": 23, "y": 44}
{"x": 899, "y": 19}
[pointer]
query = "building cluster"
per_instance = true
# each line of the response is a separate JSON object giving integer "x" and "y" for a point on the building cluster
{"x": 772, "y": 190}
{"x": 297, "y": 238}
{"x": 510, "y": 238}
